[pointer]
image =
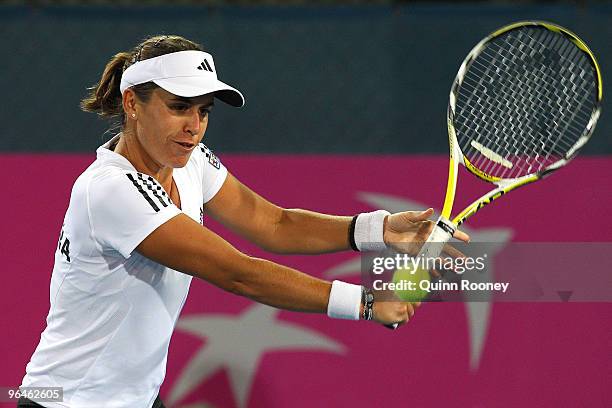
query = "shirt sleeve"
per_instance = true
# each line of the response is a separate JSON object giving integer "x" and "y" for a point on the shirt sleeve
{"x": 124, "y": 208}
{"x": 214, "y": 173}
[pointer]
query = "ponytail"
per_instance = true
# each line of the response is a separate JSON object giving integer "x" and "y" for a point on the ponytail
{"x": 105, "y": 97}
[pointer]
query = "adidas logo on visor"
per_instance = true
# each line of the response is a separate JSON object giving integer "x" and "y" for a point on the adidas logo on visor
{"x": 205, "y": 66}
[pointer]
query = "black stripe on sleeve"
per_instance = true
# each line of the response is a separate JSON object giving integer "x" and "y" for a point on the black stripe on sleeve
{"x": 144, "y": 193}
{"x": 153, "y": 187}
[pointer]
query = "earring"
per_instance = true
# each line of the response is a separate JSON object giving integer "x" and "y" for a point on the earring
{"x": 134, "y": 115}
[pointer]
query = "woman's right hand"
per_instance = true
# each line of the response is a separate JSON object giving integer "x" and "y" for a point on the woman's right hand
{"x": 389, "y": 312}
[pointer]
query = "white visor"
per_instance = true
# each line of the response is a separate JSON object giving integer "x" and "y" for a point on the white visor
{"x": 183, "y": 73}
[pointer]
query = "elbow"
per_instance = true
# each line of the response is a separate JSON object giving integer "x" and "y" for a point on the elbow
{"x": 242, "y": 289}
{"x": 243, "y": 278}
{"x": 276, "y": 248}
{"x": 273, "y": 239}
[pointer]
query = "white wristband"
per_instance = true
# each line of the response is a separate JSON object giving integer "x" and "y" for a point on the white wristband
{"x": 344, "y": 301}
{"x": 369, "y": 231}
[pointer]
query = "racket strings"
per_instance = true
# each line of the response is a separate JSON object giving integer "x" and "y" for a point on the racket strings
{"x": 525, "y": 144}
{"x": 524, "y": 102}
{"x": 545, "y": 71}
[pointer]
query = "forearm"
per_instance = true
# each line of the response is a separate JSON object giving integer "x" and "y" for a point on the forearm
{"x": 276, "y": 229}
{"x": 306, "y": 232}
{"x": 285, "y": 288}
{"x": 279, "y": 286}
{"x": 184, "y": 245}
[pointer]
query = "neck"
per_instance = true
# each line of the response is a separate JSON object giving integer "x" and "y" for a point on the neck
{"x": 130, "y": 148}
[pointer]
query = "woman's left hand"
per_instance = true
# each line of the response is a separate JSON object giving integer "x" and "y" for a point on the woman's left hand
{"x": 407, "y": 231}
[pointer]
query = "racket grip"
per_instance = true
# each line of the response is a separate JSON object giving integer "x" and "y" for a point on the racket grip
{"x": 441, "y": 234}
{"x": 432, "y": 248}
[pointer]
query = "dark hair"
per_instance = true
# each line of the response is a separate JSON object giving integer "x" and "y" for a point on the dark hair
{"x": 105, "y": 97}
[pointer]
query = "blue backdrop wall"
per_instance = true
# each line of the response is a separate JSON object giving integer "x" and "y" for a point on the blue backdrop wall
{"x": 317, "y": 79}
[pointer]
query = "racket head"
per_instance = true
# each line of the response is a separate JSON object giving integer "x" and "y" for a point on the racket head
{"x": 523, "y": 103}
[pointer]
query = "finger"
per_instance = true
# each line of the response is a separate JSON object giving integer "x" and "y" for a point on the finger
{"x": 452, "y": 251}
{"x": 416, "y": 304}
{"x": 461, "y": 236}
{"x": 409, "y": 310}
{"x": 403, "y": 314}
{"x": 421, "y": 216}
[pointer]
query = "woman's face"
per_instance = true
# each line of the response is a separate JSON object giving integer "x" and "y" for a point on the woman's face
{"x": 169, "y": 127}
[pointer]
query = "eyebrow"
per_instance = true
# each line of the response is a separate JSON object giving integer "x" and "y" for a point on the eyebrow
{"x": 190, "y": 101}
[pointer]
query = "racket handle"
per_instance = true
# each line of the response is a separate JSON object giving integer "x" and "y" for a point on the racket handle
{"x": 441, "y": 234}
{"x": 432, "y": 248}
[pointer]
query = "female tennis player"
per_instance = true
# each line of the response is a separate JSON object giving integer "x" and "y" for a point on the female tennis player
{"x": 133, "y": 238}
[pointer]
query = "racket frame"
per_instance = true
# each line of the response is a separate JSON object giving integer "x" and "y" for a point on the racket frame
{"x": 506, "y": 185}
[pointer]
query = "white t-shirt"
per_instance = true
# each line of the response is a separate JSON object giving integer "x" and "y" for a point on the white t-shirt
{"x": 112, "y": 310}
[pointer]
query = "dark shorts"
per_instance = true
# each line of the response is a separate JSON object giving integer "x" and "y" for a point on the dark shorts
{"x": 26, "y": 403}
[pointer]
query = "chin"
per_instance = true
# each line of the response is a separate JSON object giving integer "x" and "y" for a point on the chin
{"x": 180, "y": 162}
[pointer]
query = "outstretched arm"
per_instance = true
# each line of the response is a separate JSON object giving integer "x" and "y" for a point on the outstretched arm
{"x": 297, "y": 231}
{"x": 276, "y": 229}
{"x": 184, "y": 245}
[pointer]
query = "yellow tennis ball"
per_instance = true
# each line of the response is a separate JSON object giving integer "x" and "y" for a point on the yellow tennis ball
{"x": 413, "y": 285}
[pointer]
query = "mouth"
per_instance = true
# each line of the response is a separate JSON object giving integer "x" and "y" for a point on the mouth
{"x": 186, "y": 145}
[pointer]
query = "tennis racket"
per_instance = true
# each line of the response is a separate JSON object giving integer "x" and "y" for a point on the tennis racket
{"x": 524, "y": 102}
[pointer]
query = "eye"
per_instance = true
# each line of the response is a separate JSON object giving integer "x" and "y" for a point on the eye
{"x": 179, "y": 107}
{"x": 205, "y": 111}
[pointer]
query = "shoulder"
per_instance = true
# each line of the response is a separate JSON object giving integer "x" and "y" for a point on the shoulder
{"x": 117, "y": 187}
{"x": 207, "y": 156}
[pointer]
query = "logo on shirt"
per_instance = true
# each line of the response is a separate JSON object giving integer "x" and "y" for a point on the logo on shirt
{"x": 212, "y": 159}
{"x": 63, "y": 245}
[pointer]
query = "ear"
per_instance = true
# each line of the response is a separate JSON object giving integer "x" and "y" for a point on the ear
{"x": 129, "y": 103}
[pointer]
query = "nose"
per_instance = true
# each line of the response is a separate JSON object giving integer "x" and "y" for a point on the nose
{"x": 194, "y": 122}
